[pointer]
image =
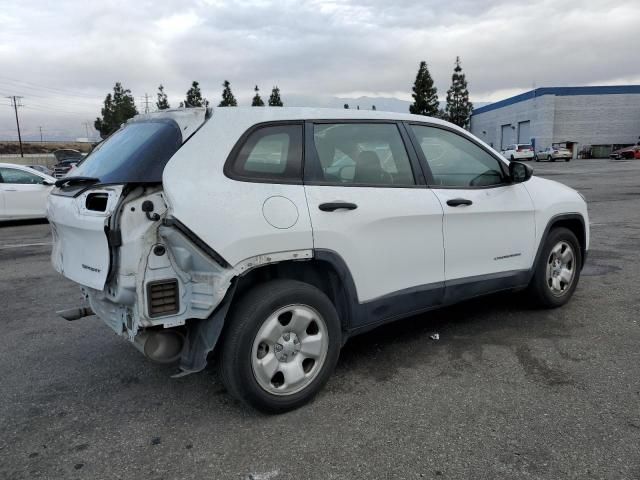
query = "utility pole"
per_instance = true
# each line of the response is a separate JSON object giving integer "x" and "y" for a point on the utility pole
{"x": 14, "y": 103}
{"x": 86, "y": 128}
{"x": 40, "y": 134}
{"x": 146, "y": 103}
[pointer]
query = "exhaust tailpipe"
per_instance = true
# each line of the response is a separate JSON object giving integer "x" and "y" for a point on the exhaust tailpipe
{"x": 160, "y": 346}
{"x": 75, "y": 313}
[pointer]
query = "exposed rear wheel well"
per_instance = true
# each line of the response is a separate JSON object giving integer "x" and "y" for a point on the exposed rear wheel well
{"x": 318, "y": 273}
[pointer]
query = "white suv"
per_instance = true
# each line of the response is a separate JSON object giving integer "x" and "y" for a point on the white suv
{"x": 519, "y": 151}
{"x": 275, "y": 234}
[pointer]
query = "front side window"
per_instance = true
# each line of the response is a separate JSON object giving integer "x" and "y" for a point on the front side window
{"x": 270, "y": 153}
{"x": 15, "y": 176}
{"x": 456, "y": 161}
{"x": 360, "y": 154}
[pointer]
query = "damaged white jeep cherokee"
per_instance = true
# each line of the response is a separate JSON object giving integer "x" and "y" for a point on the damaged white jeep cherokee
{"x": 274, "y": 234}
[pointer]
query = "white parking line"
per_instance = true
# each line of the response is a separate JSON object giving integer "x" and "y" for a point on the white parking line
{"x": 4, "y": 247}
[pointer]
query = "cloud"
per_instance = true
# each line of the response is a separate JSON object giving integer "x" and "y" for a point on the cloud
{"x": 310, "y": 48}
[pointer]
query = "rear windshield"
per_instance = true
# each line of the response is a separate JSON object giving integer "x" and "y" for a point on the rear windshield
{"x": 137, "y": 153}
{"x": 525, "y": 147}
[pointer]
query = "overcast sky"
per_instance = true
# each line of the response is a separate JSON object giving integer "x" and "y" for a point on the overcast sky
{"x": 64, "y": 56}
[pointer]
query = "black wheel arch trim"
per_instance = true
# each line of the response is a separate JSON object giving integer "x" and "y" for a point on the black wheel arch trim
{"x": 550, "y": 224}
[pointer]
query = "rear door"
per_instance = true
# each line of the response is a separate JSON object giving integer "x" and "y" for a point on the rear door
{"x": 489, "y": 223}
{"x": 24, "y": 194}
{"x": 369, "y": 205}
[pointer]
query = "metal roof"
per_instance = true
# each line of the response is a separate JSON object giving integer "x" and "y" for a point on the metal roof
{"x": 560, "y": 92}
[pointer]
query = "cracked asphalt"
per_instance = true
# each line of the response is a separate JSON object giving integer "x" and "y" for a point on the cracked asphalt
{"x": 506, "y": 392}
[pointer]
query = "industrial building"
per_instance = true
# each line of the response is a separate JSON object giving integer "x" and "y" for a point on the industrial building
{"x": 590, "y": 121}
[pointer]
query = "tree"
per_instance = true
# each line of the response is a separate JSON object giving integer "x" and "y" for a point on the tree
{"x": 458, "y": 107}
{"x": 194, "y": 97}
{"x": 163, "y": 102}
{"x": 117, "y": 109}
{"x": 373, "y": 107}
{"x": 257, "y": 100}
{"x": 425, "y": 94}
{"x": 346, "y": 106}
{"x": 228, "y": 100}
{"x": 274, "y": 99}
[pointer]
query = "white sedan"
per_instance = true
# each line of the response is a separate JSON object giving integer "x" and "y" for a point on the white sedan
{"x": 23, "y": 192}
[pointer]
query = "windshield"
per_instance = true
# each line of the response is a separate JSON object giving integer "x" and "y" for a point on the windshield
{"x": 137, "y": 153}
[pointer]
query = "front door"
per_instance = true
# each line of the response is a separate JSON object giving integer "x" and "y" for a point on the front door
{"x": 369, "y": 205}
{"x": 489, "y": 227}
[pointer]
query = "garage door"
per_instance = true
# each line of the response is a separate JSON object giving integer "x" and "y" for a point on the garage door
{"x": 507, "y": 136}
{"x": 524, "y": 132}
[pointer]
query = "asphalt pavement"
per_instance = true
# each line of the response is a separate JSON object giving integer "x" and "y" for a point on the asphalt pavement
{"x": 506, "y": 392}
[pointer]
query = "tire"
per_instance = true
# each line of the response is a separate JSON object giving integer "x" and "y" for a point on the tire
{"x": 281, "y": 308}
{"x": 542, "y": 287}
{"x": 536, "y": 158}
{"x": 567, "y": 159}
{"x": 512, "y": 159}
{"x": 552, "y": 159}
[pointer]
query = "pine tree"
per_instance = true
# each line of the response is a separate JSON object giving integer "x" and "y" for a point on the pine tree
{"x": 228, "y": 100}
{"x": 346, "y": 106}
{"x": 163, "y": 102}
{"x": 194, "y": 97}
{"x": 257, "y": 100}
{"x": 117, "y": 109}
{"x": 274, "y": 99}
{"x": 425, "y": 94}
{"x": 459, "y": 107}
{"x": 373, "y": 107}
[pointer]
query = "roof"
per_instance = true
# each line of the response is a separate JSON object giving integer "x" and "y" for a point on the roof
{"x": 561, "y": 92}
{"x": 265, "y": 114}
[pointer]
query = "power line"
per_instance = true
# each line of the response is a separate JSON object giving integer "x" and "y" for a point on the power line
{"x": 44, "y": 88}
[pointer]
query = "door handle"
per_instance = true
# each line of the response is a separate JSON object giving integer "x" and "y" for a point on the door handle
{"x": 332, "y": 206}
{"x": 455, "y": 202}
{"x": 10, "y": 189}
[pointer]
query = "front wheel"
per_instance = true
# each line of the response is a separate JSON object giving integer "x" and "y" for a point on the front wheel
{"x": 536, "y": 158}
{"x": 567, "y": 159}
{"x": 281, "y": 345}
{"x": 558, "y": 269}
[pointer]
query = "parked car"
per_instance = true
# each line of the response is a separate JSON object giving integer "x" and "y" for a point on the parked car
{"x": 226, "y": 242}
{"x": 67, "y": 154}
{"x": 626, "y": 153}
{"x": 64, "y": 167}
{"x": 518, "y": 151}
{"x": 23, "y": 192}
{"x": 41, "y": 169}
{"x": 552, "y": 154}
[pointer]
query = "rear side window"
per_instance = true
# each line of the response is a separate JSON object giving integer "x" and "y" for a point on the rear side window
{"x": 137, "y": 153}
{"x": 456, "y": 161}
{"x": 360, "y": 154}
{"x": 271, "y": 153}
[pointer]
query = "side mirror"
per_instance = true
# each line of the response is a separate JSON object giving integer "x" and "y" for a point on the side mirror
{"x": 519, "y": 172}
{"x": 46, "y": 182}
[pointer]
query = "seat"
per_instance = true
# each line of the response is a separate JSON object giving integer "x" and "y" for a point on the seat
{"x": 369, "y": 169}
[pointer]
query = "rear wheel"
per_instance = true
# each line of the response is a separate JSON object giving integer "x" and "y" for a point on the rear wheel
{"x": 281, "y": 345}
{"x": 558, "y": 269}
{"x": 567, "y": 159}
{"x": 536, "y": 158}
